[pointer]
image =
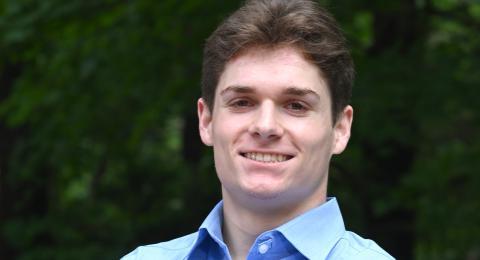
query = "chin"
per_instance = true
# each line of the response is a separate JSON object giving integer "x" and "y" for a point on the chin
{"x": 263, "y": 195}
{"x": 264, "y": 192}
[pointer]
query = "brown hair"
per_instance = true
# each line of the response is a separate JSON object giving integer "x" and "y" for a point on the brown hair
{"x": 300, "y": 23}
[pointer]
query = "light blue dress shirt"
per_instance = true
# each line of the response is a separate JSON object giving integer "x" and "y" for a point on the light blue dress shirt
{"x": 316, "y": 234}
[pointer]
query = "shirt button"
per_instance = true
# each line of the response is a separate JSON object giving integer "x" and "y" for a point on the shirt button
{"x": 263, "y": 248}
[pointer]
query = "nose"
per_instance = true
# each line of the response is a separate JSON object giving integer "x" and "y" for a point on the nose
{"x": 266, "y": 125}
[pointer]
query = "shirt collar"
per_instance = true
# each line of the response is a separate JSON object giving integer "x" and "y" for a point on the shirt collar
{"x": 315, "y": 232}
{"x": 211, "y": 227}
{"x": 213, "y": 224}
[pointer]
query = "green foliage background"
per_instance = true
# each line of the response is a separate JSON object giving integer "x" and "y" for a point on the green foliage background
{"x": 99, "y": 150}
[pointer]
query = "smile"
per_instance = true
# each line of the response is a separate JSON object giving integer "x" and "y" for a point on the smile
{"x": 267, "y": 157}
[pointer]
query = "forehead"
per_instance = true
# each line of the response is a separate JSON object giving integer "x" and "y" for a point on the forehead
{"x": 272, "y": 69}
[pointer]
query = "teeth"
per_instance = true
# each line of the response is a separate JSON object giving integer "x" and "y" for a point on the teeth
{"x": 266, "y": 157}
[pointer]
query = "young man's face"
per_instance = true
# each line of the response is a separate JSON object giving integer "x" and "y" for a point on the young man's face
{"x": 271, "y": 128}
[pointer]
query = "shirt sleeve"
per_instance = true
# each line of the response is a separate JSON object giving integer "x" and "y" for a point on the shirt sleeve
{"x": 131, "y": 256}
{"x": 373, "y": 254}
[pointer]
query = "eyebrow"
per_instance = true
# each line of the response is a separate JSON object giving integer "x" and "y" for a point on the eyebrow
{"x": 237, "y": 89}
{"x": 294, "y": 91}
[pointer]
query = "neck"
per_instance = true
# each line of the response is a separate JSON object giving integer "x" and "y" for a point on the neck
{"x": 243, "y": 223}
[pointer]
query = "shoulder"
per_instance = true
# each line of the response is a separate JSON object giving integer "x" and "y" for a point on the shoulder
{"x": 178, "y": 248}
{"x": 352, "y": 246}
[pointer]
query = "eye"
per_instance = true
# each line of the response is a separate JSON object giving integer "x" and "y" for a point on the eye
{"x": 297, "y": 107}
{"x": 240, "y": 104}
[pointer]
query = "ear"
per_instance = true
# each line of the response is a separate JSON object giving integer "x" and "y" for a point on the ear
{"x": 341, "y": 130}
{"x": 204, "y": 122}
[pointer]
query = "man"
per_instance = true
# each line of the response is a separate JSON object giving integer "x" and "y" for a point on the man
{"x": 276, "y": 85}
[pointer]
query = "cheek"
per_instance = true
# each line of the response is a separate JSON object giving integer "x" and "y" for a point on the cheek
{"x": 226, "y": 133}
{"x": 227, "y": 128}
{"x": 313, "y": 139}
{"x": 311, "y": 131}
{"x": 220, "y": 126}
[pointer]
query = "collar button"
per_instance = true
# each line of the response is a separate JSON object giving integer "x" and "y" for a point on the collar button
{"x": 263, "y": 247}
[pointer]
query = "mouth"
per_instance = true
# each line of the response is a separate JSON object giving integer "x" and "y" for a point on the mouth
{"x": 266, "y": 157}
